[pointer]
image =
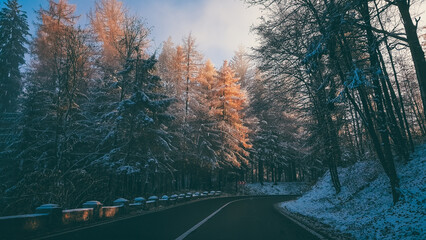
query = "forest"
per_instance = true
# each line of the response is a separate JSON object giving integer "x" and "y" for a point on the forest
{"x": 96, "y": 114}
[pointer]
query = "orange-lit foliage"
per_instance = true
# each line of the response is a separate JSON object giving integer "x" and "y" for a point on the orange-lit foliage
{"x": 207, "y": 75}
{"x": 180, "y": 67}
{"x": 61, "y": 69}
{"x": 50, "y": 44}
{"x": 61, "y": 53}
{"x": 107, "y": 21}
{"x": 226, "y": 105}
{"x": 178, "y": 71}
{"x": 122, "y": 36}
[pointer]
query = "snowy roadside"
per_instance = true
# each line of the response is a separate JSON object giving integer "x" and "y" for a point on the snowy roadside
{"x": 364, "y": 207}
{"x": 282, "y": 188}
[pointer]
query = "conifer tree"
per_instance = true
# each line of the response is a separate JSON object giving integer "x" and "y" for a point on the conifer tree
{"x": 13, "y": 33}
{"x": 226, "y": 107}
{"x": 207, "y": 137}
{"x": 191, "y": 64}
{"x": 53, "y": 145}
{"x": 164, "y": 68}
{"x": 139, "y": 135}
{"x": 57, "y": 87}
{"x": 107, "y": 24}
{"x": 181, "y": 67}
{"x": 177, "y": 68}
{"x": 241, "y": 65}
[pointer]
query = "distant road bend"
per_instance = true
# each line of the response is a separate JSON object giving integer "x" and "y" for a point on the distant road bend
{"x": 221, "y": 218}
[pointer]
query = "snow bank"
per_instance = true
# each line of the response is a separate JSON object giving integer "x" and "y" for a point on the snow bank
{"x": 282, "y": 188}
{"x": 364, "y": 207}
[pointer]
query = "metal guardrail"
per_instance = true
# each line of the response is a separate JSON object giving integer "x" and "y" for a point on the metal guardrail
{"x": 49, "y": 217}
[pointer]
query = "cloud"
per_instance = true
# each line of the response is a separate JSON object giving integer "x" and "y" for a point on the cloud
{"x": 219, "y": 26}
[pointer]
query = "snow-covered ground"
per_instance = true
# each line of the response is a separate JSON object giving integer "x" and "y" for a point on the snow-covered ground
{"x": 282, "y": 188}
{"x": 364, "y": 207}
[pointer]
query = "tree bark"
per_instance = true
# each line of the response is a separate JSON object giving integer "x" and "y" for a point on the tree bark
{"x": 387, "y": 161}
{"x": 404, "y": 123}
{"x": 416, "y": 50}
{"x": 260, "y": 172}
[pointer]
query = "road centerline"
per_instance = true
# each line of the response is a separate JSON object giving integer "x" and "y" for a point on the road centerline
{"x": 185, "y": 234}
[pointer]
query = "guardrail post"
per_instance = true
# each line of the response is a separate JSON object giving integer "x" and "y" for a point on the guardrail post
{"x": 54, "y": 211}
{"x": 97, "y": 208}
{"x": 123, "y": 204}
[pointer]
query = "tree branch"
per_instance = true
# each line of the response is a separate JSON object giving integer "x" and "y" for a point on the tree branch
{"x": 390, "y": 34}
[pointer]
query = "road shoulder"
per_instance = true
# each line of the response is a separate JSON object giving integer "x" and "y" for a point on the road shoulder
{"x": 316, "y": 228}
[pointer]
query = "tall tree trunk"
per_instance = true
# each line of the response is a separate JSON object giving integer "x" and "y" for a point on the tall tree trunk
{"x": 414, "y": 106}
{"x": 399, "y": 138}
{"x": 260, "y": 172}
{"x": 387, "y": 162}
{"x": 384, "y": 154}
{"x": 415, "y": 47}
{"x": 404, "y": 123}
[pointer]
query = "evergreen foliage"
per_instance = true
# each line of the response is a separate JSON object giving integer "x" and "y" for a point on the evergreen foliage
{"x": 100, "y": 117}
{"x": 13, "y": 32}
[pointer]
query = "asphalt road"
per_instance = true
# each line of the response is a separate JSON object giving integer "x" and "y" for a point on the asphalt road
{"x": 249, "y": 218}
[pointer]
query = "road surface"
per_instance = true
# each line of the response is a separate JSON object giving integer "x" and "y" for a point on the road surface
{"x": 248, "y": 218}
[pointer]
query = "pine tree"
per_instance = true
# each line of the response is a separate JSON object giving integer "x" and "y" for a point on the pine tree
{"x": 107, "y": 24}
{"x": 226, "y": 107}
{"x": 165, "y": 69}
{"x": 241, "y": 65}
{"x": 139, "y": 141}
{"x": 54, "y": 121}
{"x": 54, "y": 144}
{"x": 181, "y": 68}
{"x": 177, "y": 68}
{"x": 191, "y": 64}
{"x": 118, "y": 32}
{"x": 207, "y": 137}
{"x": 13, "y": 33}
{"x": 133, "y": 121}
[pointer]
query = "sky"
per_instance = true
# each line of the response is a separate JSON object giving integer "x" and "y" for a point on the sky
{"x": 219, "y": 26}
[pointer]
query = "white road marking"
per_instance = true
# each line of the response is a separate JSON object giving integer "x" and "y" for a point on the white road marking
{"x": 184, "y": 235}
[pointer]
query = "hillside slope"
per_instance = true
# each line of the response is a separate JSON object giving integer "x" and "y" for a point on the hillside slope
{"x": 364, "y": 207}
